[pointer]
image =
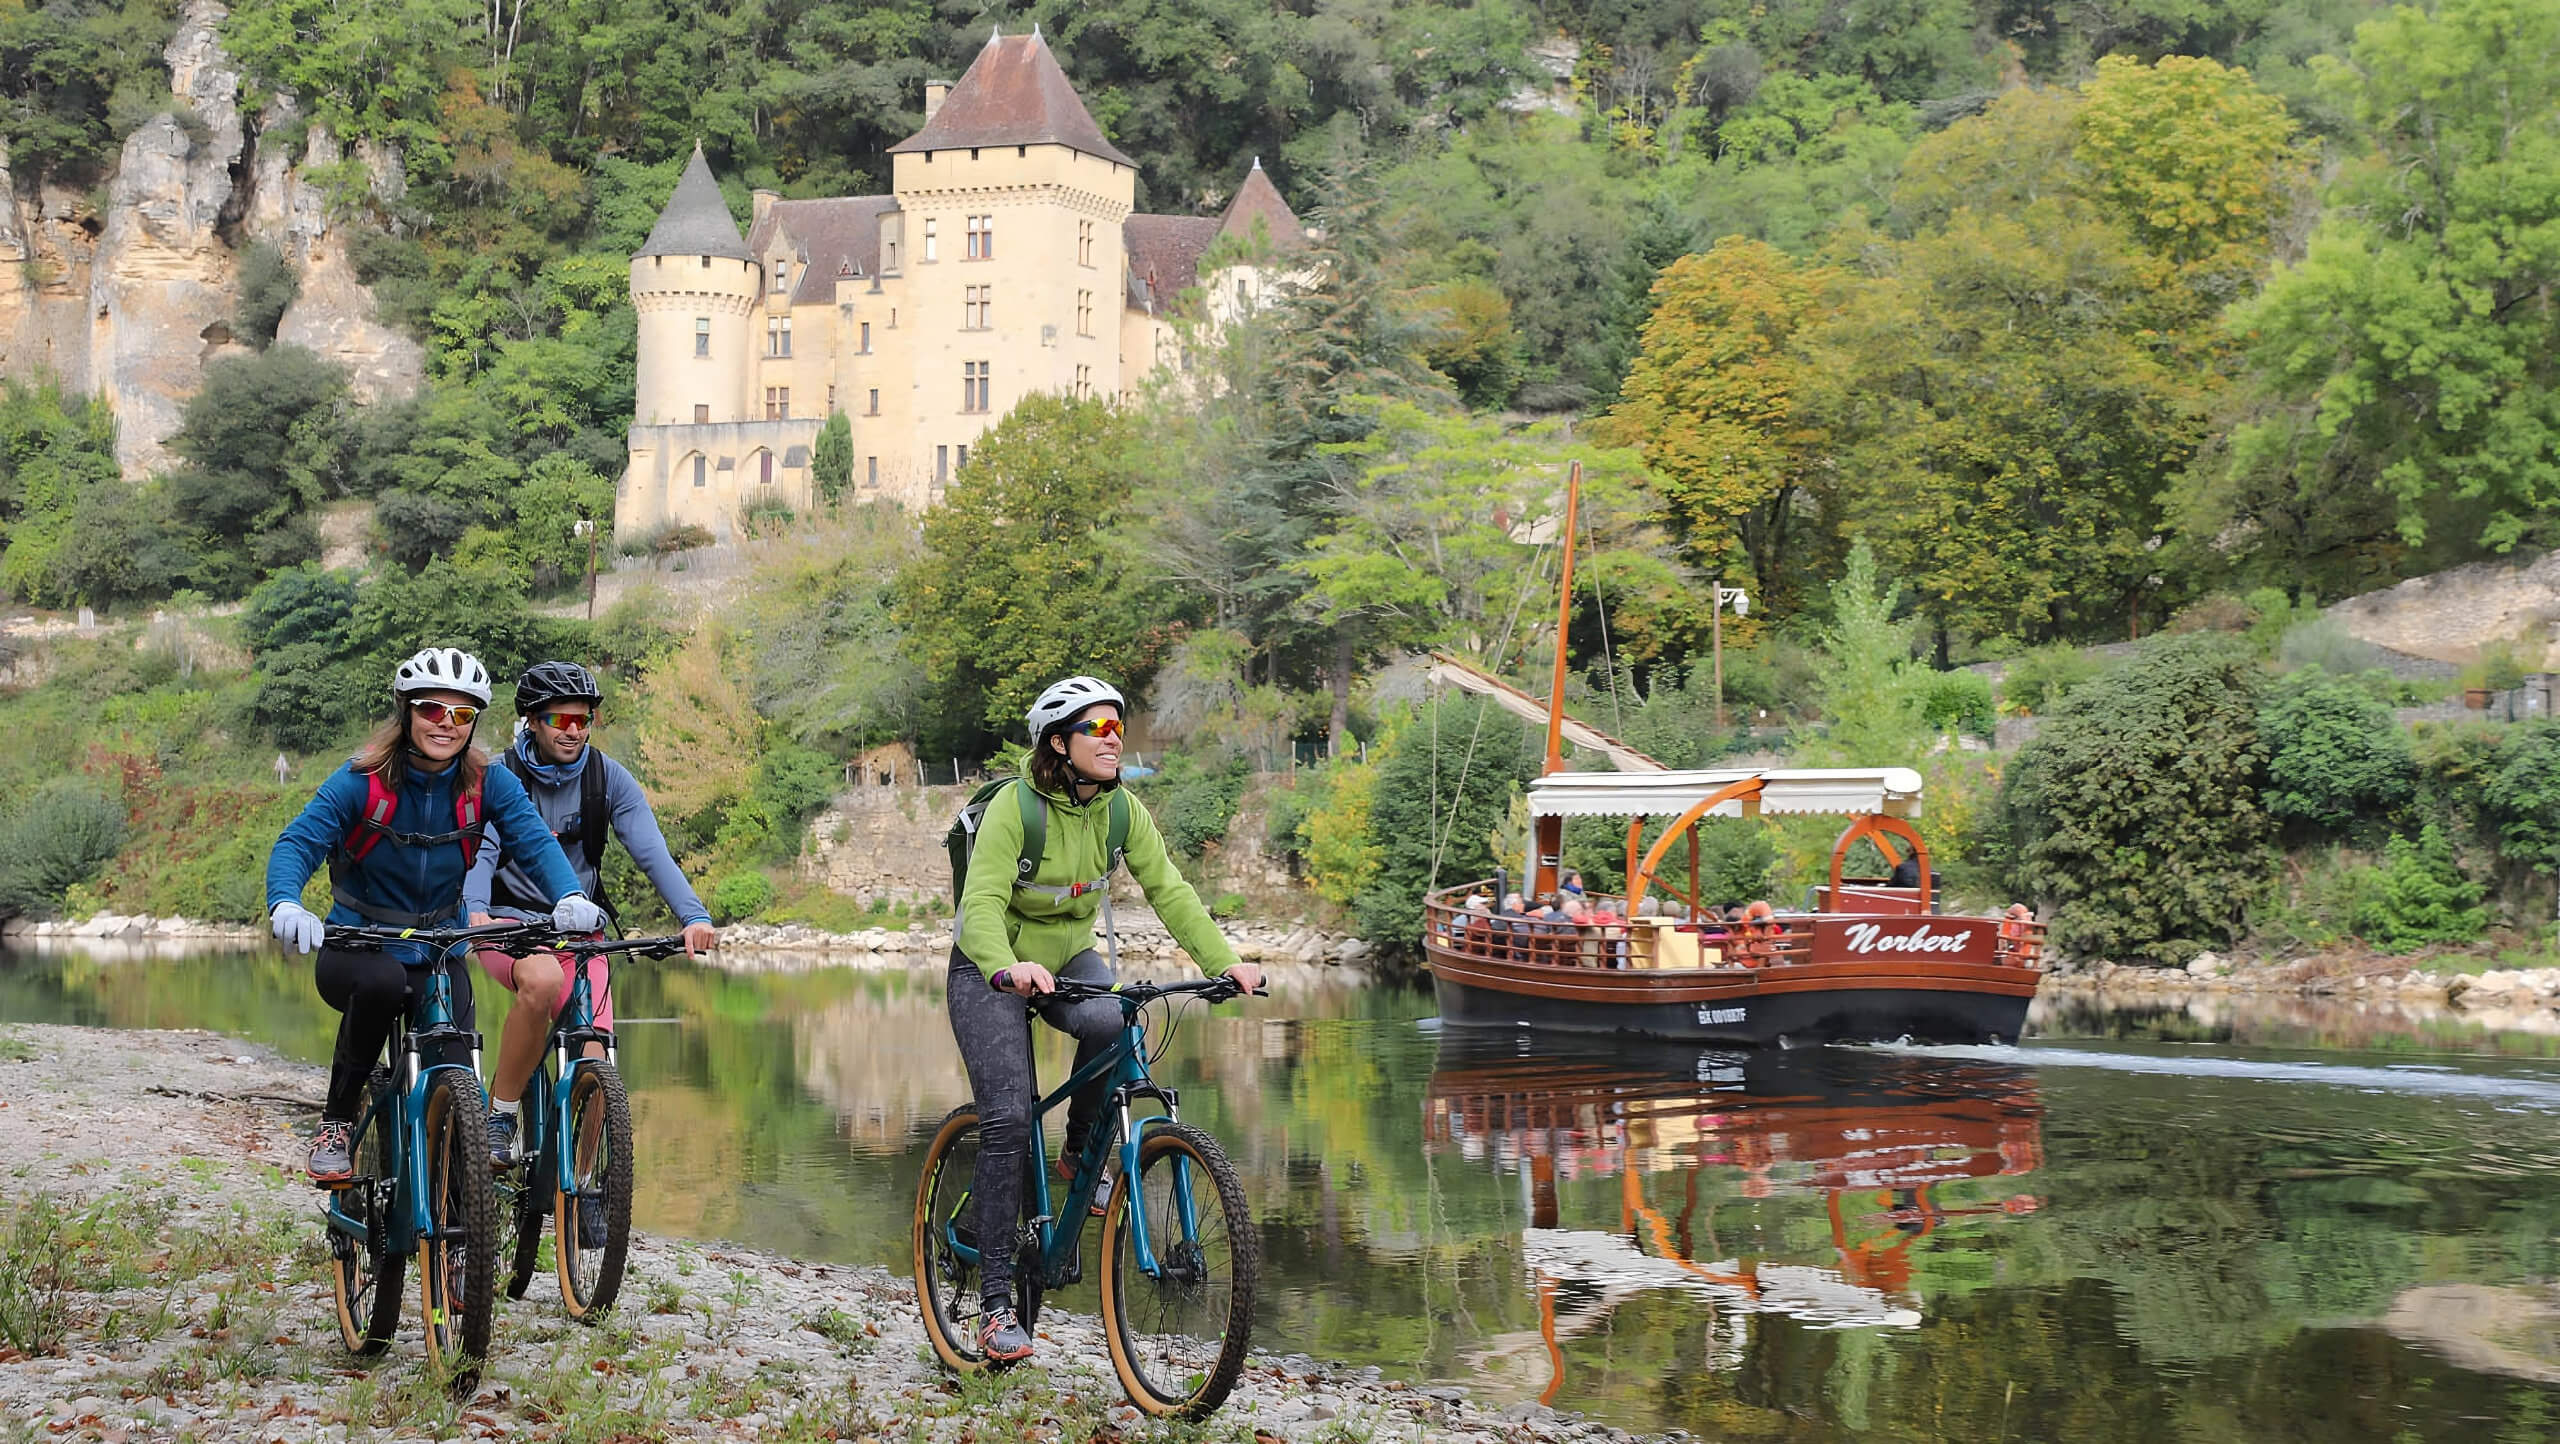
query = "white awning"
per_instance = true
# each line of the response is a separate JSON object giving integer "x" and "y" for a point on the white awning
{"x": 1846, "y": 791}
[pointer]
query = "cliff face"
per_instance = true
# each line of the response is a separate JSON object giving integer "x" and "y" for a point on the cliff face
{"x": 132, "y": 302}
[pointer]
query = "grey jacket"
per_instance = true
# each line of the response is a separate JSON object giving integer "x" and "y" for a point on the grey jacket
{"x": 633, "y": 822}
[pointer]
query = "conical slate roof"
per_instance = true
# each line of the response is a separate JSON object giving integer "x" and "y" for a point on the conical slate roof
{"x": 696, "y": 221}
{"x": 1014, "y": 94}
{"x": 1259, "y": 200}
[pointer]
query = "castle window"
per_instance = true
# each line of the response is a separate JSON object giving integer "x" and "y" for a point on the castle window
{"x": 976, "y": 308}
{"x": 702, "y": 413}
{"x": 1084, "y": 313}
{"x": 706, "y": 263}
{"x": 871, "y": 470}
{"x": 764, "y": 467}
{"x": 701, "y": 335}
{"x": 875, "y": 402}
{"x": 1244, "y": 298}
{"x": 831, "y": 398}
{"x": 701, "y": 469}
{"x": 1084, "y": 382}
{"x": 777, "y": 403}
{"x": 931, "y": 248}
{"x": 866, "y": 338}
{"x": 942, "y": 463}
{"x": 982, "y": 238}
{"x": 1084, "y": 243}
{"x": 777, "y": 335}
{"x": 781, "y": 275}
{"x": 973, "y": 385}
{"x": 960, "y": 458}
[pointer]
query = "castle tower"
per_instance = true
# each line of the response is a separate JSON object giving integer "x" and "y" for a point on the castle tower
{"x": 1008, "y": 233}
{"x": 693, "y": 284}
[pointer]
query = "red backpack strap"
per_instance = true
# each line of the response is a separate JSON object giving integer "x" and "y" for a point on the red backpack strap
{"x": 466, "y": 820}
{"x": 379, "y": 807}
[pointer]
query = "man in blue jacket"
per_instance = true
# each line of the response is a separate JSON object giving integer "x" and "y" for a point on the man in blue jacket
{"x": 581, "y": 795}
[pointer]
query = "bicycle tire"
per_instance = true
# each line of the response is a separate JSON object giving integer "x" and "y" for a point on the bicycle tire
{"x": 457, "y": 1276}
{"x": 528, "y": 1198}
{"x": 947, "y": 1285}
{"x": 1178, "y": 1341}
{"x": 591, "y": 1269}
{"x": 364, "y": 1278}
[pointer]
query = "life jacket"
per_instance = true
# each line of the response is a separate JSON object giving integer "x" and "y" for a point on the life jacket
{"x": 962, "y": 840}
{"x": 595, "y": 821}
{"x": 373, "y": 827}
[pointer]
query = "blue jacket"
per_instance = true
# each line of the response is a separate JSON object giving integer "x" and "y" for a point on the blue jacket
{"x": 410, "y": 879}
{"x": 559, "y": 804}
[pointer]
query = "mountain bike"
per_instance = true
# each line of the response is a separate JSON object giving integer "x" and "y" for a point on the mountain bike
{"x": 420, "y": 1186}
{"x": 575, "y": 1170}
{"x": 1179, "y": 1255}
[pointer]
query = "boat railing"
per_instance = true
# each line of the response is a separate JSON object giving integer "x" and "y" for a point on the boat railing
{"x": 1610, "y": 940}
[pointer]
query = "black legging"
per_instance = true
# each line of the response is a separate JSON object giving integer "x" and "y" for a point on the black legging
{"x": 372, "y": 991}
{"x": 993, "y": 1032}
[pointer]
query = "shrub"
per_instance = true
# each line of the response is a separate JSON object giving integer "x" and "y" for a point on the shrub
{"x": 2323, "y": 642}
{"x": 2042, "y": 677}
{"x": 2421, "y": 897}
{"x": 1193, "y": 801}
{"x": 2136, "y": 815}
{"x": 268, "y": 286}
{"x": 1958, "y": 702}
{"x": 740, "y": 896}
{"x": 57, "y": 837}
{"x": 2334, "y": 754}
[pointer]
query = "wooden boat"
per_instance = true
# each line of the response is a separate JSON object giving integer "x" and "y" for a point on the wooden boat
{"x": 1864, "y": 959}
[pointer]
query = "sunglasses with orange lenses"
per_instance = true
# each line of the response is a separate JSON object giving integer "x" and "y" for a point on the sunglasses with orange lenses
{"x": 1098, "y": 727}
{"x": 434, "y": 711}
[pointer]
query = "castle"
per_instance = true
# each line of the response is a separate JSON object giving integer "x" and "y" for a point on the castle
{"x": 1006, "y": 261}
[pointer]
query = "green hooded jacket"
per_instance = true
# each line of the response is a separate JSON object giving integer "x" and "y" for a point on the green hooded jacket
{"x": 1001, "y": 925}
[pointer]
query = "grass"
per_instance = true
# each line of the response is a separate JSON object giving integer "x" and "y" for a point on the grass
{"x": 14, "y": 1049}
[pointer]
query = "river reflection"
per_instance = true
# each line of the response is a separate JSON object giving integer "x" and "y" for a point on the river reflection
{"x": 2236, "y": 1224}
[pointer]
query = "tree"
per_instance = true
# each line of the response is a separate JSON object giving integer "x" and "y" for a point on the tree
{"x": 1717, "y": 403}
{"x": 831, "y": 458}
{"x": 57, "y": 459}
{"x": 2334, "y": 752}
{"x": 2197, "y": 160}
{"x": 268, "y": 286}
{"x": 2135, "y": 815}
{"x": 2413, "y": 354}
{"x": 1020, "y": 582}
{"x": 1441, "y": 792}
{"x": 265, "y": 440}
{"x": 1872, "y": 692}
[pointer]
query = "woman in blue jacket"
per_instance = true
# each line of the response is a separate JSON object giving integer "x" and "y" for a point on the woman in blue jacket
{"x": 398, "y": 827}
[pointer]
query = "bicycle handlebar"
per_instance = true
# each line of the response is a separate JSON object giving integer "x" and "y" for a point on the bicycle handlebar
{"x": 629, "y": 947}
{"x": 354, "y": 937}
{"x": 1138, "y": 994}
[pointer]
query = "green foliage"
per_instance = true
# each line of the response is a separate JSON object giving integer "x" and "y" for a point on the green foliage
{"x": 831, "y": 458}
{"x": 740, "y": 895}
{"x": 268, "y": 286}
{"x": 1443, "y": 788}
{"x": 2335, "y": 756}
{"x": 2040, "y": 677}
{"x": 59, "y": 488}
{"x": 830, "y": 662}
{"x": 1958, "y": 702}
{"x": 2517, "y": 795}
{"x": 2421, "y": 897}
{"x": 1193, "y": 800}
{"x": 75, "y": 79}
{"x": 53, "y": 838}
{"x": 266, "y": 439}
{"x": 1871, "y": 690}
{"x": 2135, "y": 816}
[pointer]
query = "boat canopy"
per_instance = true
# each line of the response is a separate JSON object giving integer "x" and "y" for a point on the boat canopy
{"x": 1853, "y": 791}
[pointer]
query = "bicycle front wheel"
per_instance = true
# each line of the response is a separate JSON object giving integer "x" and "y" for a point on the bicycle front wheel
{"x": 591, "y": 1208}
{"x": 458, "y": 1257}
{"x": 1178, "y": 1333}
{"x": 363, "y": 1275}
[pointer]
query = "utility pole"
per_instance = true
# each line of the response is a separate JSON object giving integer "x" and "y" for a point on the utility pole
{"x": 587, "y": 529}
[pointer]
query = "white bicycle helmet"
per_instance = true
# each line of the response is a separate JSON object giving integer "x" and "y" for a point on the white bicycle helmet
{"x": 1063, "y": 700}
{"x": 442, "y": 669}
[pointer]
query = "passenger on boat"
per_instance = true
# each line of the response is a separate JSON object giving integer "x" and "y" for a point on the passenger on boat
{"x": 1476, "y": 928}
{"x": 1755, "y": 942}
{"x": 1906, "y": 873}
{"x": 2019, "y": 947}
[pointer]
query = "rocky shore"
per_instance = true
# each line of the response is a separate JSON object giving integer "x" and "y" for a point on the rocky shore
{"x": 2493, "y": 995}
{"x": 162, "y": 1280}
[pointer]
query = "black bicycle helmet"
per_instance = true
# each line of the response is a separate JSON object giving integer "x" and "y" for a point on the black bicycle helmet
{"x": 544, "y": 683}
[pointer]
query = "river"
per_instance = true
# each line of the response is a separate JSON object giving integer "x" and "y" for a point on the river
{"x": 2264, "y": 1221}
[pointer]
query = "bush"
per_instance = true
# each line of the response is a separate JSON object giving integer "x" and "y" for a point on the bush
{"x": 2334, "y": 753}
{"x": 2421, "y": 897}
{"x": 1193, "y": 801}
{"x": 414, "y": 530}
{"x": 2323, "y": 642}
{"x": 740, "y": 896}
{"x": 2041, "y": 678}
{"x": 1958, "y": 702}
{"x": 268, "y": 286}
{"x": 59, "y": 836}
{"x": 2136, "y": 816}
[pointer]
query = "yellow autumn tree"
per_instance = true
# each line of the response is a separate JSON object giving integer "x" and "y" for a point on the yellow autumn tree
{"x": 698, "y": 727}
{"x": 1716, "y": 404}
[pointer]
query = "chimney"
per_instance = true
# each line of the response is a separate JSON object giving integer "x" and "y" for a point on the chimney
{"x": 934, "y": 91}
{"x": 764, "y": 205}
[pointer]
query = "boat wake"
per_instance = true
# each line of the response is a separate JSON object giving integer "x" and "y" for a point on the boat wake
{"x": 2425, "y": 1079}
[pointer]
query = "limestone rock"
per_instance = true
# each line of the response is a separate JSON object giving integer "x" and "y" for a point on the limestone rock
{"x": 333, "y": 314}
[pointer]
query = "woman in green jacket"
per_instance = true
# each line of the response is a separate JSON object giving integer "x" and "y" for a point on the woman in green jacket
{"x": 1017, "y": 935}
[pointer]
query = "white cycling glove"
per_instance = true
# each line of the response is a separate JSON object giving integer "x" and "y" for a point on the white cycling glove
{"x": 577, "y": 915}
{"x": 295, "y": 927}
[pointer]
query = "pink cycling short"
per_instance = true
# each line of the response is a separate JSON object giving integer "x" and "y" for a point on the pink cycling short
{"x": 501, "y": 968}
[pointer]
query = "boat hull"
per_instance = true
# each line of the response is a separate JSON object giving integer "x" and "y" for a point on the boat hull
{"x": 1762, "y": 1011}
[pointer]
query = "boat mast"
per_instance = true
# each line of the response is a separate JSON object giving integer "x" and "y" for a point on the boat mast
{"x": 1547, "y": 835}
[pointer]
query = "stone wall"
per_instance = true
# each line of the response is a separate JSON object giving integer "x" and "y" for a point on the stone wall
{"x": 2450, "y": 615}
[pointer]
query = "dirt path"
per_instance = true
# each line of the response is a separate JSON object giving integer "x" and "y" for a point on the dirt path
{"x": 160, "y": 1278}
